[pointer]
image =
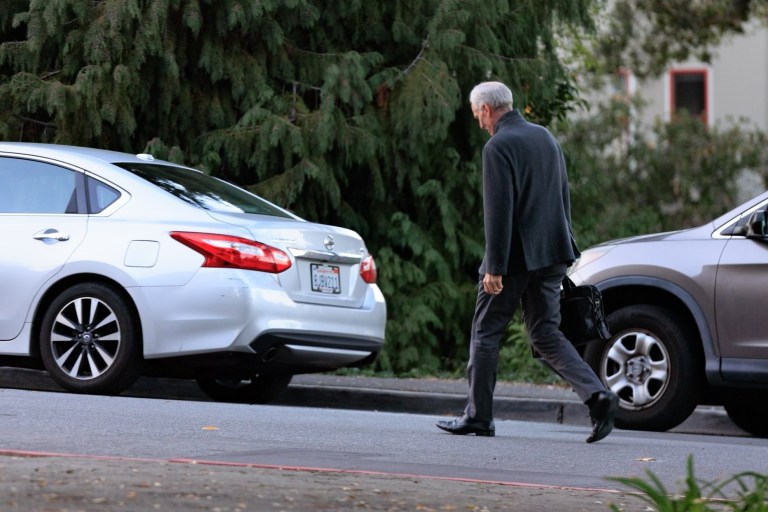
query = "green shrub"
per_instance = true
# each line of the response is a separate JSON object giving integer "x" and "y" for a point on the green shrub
{"x": 516, "y": 362}
{"x": 743, "y": 492}
{"x": 628, "y": 180}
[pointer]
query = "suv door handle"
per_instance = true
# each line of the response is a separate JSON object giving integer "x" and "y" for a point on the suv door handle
{"x": 51, "y": 234}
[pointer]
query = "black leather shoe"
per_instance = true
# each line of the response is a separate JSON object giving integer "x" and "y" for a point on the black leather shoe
{"x": 602, "y": 411}
{"x": 464, "y": 425}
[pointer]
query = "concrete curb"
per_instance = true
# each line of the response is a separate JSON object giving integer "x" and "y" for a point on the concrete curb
{"x": 509, "y": 408}
{"x": 705, "y": 420}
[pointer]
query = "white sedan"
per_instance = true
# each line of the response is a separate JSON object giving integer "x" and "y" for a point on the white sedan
{"x": 116, "y": 266}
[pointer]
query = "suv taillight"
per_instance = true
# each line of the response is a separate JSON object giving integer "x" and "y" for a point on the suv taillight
{"x": 368, "y": 270}
{"x": 234, "y": 252}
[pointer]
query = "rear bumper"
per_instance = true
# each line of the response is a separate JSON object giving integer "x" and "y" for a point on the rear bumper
{"x": 313, "y": 351}
{"x": 236, "y": 319}
{"x": 273, "y": 353}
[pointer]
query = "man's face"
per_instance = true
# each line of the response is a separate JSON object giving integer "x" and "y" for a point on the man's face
{"x": 482, "y": 113}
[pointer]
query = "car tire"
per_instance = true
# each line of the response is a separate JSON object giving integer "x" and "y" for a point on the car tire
{"x": 653, "y": 364}
{"x": 259, "y": 389}
{"x": 744, "y": 410}
{"x": 89, "y": 340}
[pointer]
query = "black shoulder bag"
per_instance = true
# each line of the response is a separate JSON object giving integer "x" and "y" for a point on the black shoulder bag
{"x": 582, "y": 318}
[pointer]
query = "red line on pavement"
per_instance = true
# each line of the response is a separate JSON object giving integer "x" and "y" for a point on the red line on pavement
{"x": 32, "y": 454}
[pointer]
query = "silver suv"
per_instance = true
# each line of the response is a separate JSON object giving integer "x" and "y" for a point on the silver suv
{"x": 686, "y": 318}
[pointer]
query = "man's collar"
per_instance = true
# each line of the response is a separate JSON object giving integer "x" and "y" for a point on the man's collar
{"x": 511, "y": 117}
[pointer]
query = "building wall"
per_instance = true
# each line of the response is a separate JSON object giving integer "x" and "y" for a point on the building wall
{"x": 737, "y": 92}
{"x": 737, "y": 83}
{"x": 741, "y": 78}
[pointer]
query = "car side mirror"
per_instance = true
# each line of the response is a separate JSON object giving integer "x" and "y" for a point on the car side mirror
{"x": 757, "y": 225}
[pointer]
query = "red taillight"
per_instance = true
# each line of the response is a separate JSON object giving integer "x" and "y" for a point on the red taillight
{"x": 368, "y": 270}
{"x": 235, "y": 252}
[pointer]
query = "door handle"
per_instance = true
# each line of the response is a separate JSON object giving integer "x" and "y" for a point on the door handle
{"x": 52, "y": 235}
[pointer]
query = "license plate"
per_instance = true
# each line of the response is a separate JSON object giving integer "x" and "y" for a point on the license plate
{"x": 325, "y": 278}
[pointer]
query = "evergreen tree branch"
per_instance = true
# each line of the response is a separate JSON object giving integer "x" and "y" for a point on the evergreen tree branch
{"x": 413, "y": 63}
{"x": 24, "y": 119}
{"x": 298, "y": 95}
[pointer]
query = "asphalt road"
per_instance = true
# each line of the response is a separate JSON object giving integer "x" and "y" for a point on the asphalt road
{"x": 60, "y": 451}
{"x": 94, "y": 468}
{"x": 446, "y": 397}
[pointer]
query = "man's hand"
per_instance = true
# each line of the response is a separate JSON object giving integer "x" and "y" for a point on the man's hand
{"x": 492, "y": 284}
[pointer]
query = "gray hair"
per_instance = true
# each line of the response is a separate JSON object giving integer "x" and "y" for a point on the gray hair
{"x": 494, "y": 94}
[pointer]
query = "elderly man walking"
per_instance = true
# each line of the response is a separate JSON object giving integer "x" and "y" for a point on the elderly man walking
{"x": 529, "y": 245}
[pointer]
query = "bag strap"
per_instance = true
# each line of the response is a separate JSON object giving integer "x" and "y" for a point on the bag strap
{"x": 568, "y": 285}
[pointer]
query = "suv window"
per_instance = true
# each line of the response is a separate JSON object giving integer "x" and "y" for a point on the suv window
{"x": 741, "y": 222}
{"x": 202, "y": 190}
{"x": 29, "y": 186}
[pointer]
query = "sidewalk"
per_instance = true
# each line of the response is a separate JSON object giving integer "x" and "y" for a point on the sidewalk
{"x": 441, "y": 397}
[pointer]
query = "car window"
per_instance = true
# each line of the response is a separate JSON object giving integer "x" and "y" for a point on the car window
{"x": 29, "y": 186}
{"x": 100, "y": 195}
{"x": 203, "y": 190}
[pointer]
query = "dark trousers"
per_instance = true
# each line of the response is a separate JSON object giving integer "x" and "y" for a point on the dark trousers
{"x": 538, "y": 292}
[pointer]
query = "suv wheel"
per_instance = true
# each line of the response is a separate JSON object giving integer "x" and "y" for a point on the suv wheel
{"x": 89, "y": 342}
{"x": 259, "y": 389}
{"x": 652, "y": 364}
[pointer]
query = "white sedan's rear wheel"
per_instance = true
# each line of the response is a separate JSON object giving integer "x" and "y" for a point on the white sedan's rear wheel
{"x": 89, "y": 342}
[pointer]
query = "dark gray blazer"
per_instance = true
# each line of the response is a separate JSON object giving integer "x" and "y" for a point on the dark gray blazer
{"x": 526, "y": 203}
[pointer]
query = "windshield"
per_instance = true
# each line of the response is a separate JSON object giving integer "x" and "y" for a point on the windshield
{"x": 203, "y": 190}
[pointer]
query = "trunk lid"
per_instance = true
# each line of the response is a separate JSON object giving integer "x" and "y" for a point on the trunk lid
{"x": 325, "y": 259}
